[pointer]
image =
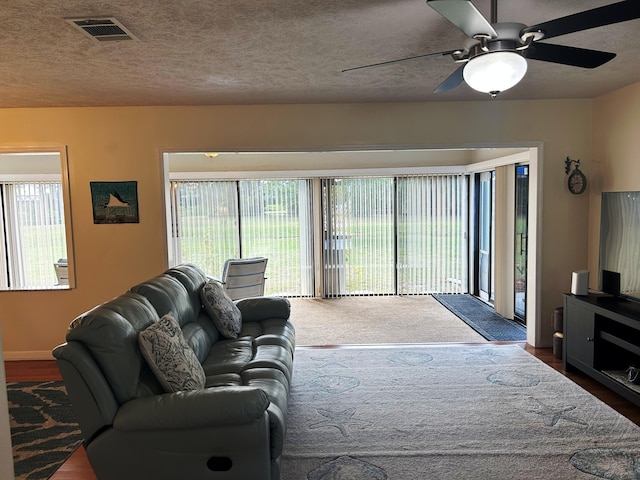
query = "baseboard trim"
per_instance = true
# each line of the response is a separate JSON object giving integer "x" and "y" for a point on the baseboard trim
{"x": 21, "y": 356}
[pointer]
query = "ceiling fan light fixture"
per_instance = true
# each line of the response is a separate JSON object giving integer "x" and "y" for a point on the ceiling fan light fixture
{"x": 495, "y": 72}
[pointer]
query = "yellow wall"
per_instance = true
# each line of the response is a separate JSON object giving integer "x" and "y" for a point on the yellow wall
{"x": 616, "y": 157}
{"x": 119, "y": 144}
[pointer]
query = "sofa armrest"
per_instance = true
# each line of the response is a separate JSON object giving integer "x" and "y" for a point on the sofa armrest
{"x": 255, "y": 309}
{"x": 217, "y": 406}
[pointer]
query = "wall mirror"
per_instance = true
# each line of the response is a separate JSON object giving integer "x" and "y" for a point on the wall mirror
{"x": 36, "y": 248}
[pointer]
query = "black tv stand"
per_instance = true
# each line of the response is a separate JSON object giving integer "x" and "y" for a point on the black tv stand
{"x": 602, "y": 339}
{"x": 604, "y": 298}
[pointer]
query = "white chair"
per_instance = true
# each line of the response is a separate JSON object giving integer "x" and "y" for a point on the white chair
{"x": 244, "y": 277}
{"x": 62, "y": 271}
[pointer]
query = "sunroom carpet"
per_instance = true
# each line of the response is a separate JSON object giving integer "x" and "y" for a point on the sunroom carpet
{"x": 377, "y": 319}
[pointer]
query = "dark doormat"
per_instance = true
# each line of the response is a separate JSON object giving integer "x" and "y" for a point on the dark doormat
{"x": 482, "y": 318}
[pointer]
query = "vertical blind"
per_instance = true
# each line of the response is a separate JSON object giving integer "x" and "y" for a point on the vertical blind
{"x": 432, "y": 231}
{"x": 34, "y": 235}
{"x": 213, "y": 221}
{"x": 358, "y": 252}
{"x": 404, "y": 235}
{"x": 270, "y": 218}
{"x": 204, "y": 223}
{"x": 380, "y": 235}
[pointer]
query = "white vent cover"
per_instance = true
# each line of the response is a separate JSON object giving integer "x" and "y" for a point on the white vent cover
{"x": 102, "y": 29}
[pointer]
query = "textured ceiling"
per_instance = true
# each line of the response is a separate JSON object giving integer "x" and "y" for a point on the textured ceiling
{"x": 208, "y": 52}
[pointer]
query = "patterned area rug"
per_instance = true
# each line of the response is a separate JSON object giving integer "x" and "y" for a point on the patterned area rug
{"x": 482, "y": 318}
{"x": 43, "y": 428}
{"x": 448, "y": 412}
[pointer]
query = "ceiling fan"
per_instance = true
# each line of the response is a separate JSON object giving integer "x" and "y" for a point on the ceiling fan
{"x": 495, "y": 56}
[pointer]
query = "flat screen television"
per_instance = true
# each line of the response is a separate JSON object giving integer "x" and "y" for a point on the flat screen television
{"x": 620, "y": 240}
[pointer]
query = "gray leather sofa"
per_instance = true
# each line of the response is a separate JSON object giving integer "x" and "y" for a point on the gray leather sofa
{"x": 233, "y": 428}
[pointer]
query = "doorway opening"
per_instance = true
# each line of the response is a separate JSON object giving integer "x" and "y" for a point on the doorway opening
{"x": 385, "y": 204}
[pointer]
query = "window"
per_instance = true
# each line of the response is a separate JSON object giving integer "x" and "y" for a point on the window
{"x": 33, "y": 222}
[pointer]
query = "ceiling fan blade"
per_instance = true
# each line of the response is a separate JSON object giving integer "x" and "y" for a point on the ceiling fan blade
{"x": 577, "y": 57}
{"x": 597, "y": 17}
{"x": 464, "y": 15}
{"x": 406, "y": 59}
{"x": 452, "y": 81}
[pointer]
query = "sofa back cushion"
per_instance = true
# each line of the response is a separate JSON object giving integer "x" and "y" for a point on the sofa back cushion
{"x": 177, "y": 291}
{"x": 192, "y": 278}
{"x": 110, "y": 333}
{"x": 168, "y": 295}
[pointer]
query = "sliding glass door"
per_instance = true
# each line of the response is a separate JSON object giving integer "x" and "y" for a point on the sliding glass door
{"x": 358, "y": 236}
{"x": 486, "y": 227}
{"x": 213, "y": 221}
{"x": 521, "y": 236}
{"x": 431, "y": 234}
{"x": 205, "y": 223}
{"x": 402, "y": 235}
{"x": 378, "y": 236}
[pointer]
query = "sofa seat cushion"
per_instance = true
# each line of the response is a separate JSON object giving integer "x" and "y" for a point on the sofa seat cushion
{"x": 273, "y": 357}
{"x": 224, "y": 380}
{"x": 273, "y": 382}
{"x": 223, "y": 312}
{"x": 271, "y": 339}
{"x": 170, "y": 357}
{"x": 228, "y": 356}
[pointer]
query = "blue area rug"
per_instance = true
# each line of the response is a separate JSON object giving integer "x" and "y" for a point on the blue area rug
{"x": 482, "y": 318}
{"x": 44, "y": 431}
{"x": 448, "y": 412}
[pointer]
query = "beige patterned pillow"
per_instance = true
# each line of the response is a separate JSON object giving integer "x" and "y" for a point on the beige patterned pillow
{"x": 170, "y": 357}
{"x": 221, "y": 309}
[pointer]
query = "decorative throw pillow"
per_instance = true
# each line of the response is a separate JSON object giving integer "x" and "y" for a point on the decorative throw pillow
{"x": 223, "y": 312}
{"x": 170, "y": 357}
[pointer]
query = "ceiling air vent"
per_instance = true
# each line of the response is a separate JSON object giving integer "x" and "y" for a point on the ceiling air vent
{"x": 102, "y": 29}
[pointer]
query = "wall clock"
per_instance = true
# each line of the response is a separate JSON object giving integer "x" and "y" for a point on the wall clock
{"x": 576, "y": 182}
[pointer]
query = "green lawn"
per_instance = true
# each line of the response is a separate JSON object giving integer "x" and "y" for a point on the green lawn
{"x": 434, "y": 259}
{"x": 37, "y": 259}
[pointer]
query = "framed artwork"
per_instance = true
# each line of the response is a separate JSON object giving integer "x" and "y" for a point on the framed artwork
{"x": 115, "y": 202}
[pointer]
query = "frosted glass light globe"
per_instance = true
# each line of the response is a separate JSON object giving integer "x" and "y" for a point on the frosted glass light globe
{"x": 494, "y": 72}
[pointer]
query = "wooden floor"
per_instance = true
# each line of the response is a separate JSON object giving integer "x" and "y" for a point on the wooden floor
{"x": 77, "y": 466}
